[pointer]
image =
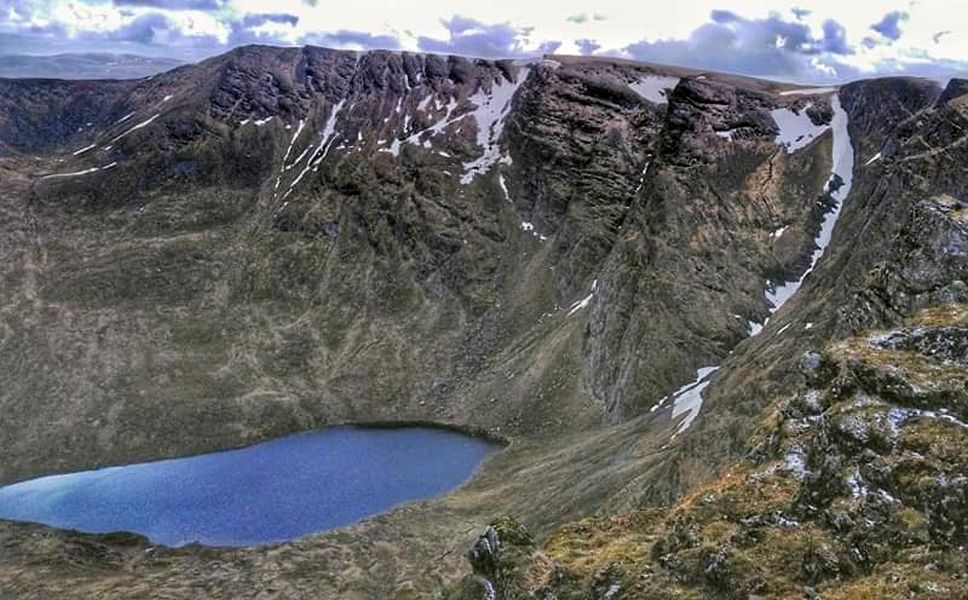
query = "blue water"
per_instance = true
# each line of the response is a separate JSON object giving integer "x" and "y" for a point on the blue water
{"x": 270, "y": 492}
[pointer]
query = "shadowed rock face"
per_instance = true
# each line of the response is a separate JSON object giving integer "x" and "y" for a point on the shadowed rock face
{"x": 279, "y": 239}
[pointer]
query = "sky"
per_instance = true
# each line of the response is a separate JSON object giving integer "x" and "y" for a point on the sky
{"x": 815, "y": 41}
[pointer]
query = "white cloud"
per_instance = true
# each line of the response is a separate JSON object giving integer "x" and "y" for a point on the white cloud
{"x": 578, "y": 25}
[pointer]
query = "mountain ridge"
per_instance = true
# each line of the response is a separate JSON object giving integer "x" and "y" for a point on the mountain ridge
{"x": 84, "y": 65}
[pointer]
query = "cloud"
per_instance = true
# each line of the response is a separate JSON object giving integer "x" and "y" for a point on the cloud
{"x": 352, "y": 40}
{"x": 790, "y": 43}
{"x": 769, "y": 47}
{"x": 584, "y": 18}
{"x": 257, "y": 19}
{"x": 724, "y": 16}
{"x": 470, "y": 37}
{"x": 586, "y": 46}
{"x": 889, "y": 26}
{"x": 834, "y": 38}
{"x": 175, "y": 4}
{"x": 263, "y": 28}
{"x": 145, "y": 29}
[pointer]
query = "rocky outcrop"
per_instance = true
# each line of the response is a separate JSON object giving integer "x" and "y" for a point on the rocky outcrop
{"x": 493, "y": 558}
{"x": 850, "y": 489}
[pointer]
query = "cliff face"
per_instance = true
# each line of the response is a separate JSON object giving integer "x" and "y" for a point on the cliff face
{"x": 279, "y": 239}
{"x": 276, "y": 239}
{"x": 851, "y": 483}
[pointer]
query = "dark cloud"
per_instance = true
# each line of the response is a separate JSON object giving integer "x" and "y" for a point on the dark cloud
{"x": 470, "y": 37}
{"x": 175, "y": 4}
{"x": 890, "y": 25}
{"x": 834, "y": 38}
{"x": 345, "y": 38}
{"x": 151, "y": 34}
{"x": 801, "y": 13}
{"x": 724, "y": 16}
{"x": 243, "y": 32}
{"x": 770, "y": 47}
{"x": 142, "y": 30}
{"x": 255, "y": 20}
{"x": 586, "y": 46}
{"x": 937, "y": 37}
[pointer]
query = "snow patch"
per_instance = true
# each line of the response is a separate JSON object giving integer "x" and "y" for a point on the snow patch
{"x": 655, "y": 88}
{"x": 504, "y": 187}
{"x": 580, "y": 304}
{"x": 492, "y": 109}
{"x": 394, "y": 148}
{"x": 84, "y": 149}
{"x": 434, "y": 129}
{"x": 261, "y": 122}
{"x": 843, "y": 168}
{"x": 292, "y": 141}
{"x": 645, "y": 171}
{"x": 84, "y": 172}
{"x": 327, "y": 137}
{"x": 299, "y": 158}
{"x": 796, "y": 128}
{"x": 809, "y": 91}
{"x": 144, "y": 123}
{"x": 873, "y": 159}
{"x": 843, "y": 161}
{"x": 125, "y": 118}
{"x": 688, "y": 398}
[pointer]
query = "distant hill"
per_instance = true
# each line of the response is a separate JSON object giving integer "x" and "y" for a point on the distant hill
{"x": 83, "y": 66}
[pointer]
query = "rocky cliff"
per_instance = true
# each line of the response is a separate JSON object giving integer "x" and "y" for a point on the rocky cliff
{"x": 276, "y": 239}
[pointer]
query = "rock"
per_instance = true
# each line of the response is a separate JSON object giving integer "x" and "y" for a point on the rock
{"x": 485, "y": 552}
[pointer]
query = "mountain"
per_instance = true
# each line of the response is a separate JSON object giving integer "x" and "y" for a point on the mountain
{"x": 616, "y": 266}
{"x": 83, "y": 66}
